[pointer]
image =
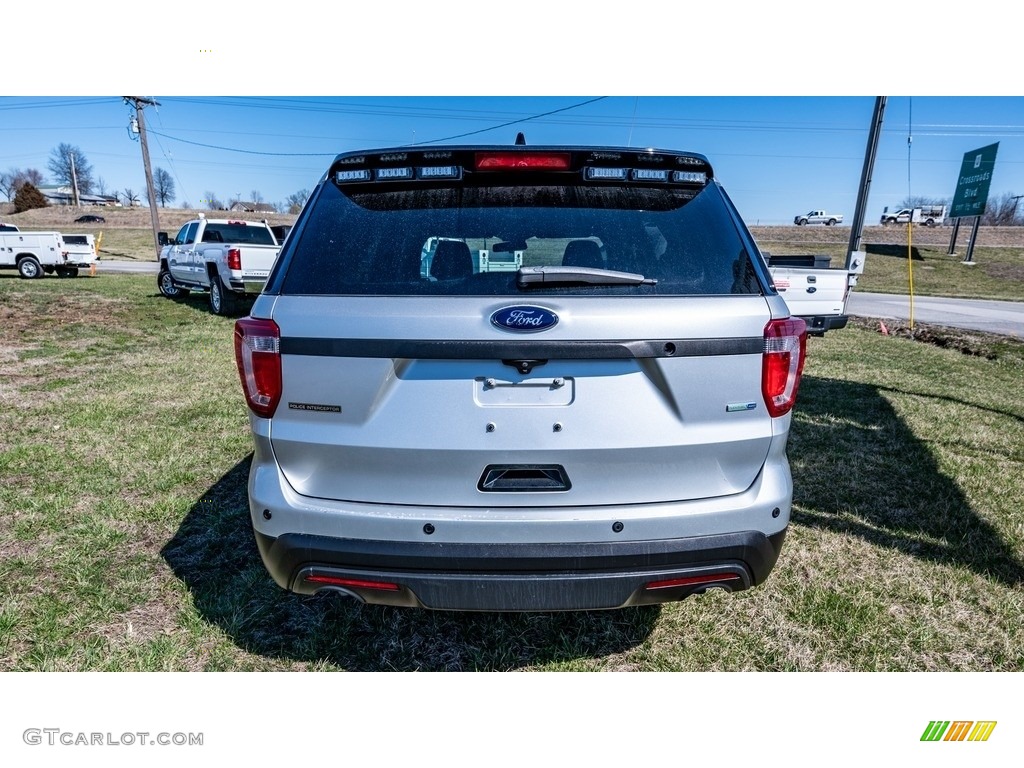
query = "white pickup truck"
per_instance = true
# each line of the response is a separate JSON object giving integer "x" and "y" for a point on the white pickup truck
{"x": 818, "y": 217}
{"x": 34, "y": 254}
{"x": 812, "y": 290}
{"x": 226, "y": 258}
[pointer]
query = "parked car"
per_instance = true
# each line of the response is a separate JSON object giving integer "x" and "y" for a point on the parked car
{"x": 90, "y": 218}
{"x": 229, "y": 259}
{"x": 603, "y": 426}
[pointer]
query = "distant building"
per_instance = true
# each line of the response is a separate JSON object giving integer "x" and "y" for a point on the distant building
{"x": 61, "y": 194}
{"x": 243, "y": 206}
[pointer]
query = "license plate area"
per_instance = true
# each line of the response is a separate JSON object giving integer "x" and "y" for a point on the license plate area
{"x": 550, "y": 391}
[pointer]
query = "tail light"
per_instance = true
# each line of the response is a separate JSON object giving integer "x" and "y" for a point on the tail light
{"x": 785, "y": 349}
{"x": 234, "y": 258}
{"x": 258, "y": 355}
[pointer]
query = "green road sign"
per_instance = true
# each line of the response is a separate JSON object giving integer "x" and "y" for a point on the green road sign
{"x": 972, "y": 184}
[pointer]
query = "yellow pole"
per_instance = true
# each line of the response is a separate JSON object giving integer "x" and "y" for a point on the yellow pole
{"x": 96, "y": 245}
{"x": 910, "y": 267}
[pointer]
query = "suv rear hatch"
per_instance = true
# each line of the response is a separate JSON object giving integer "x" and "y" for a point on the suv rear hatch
{"x": 623, "y": 363}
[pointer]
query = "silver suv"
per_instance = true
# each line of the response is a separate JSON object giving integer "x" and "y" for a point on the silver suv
{"x": 519, "y": 378}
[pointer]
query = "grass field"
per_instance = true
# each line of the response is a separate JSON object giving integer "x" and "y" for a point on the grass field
{"x": 997, "y": 273}
{"x": 125, "y": 542}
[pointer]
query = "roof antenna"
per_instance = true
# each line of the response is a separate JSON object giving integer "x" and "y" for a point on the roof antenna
{"x": 520, "y": 139}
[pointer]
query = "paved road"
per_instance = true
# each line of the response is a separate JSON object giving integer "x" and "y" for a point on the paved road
{"x": 1004, "y": 317}
{"x": 138, "y": 267}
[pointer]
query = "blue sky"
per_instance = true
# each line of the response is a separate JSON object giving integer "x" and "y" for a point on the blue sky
{"x": 779, "y": 99}
{"x": 776, "y": 155}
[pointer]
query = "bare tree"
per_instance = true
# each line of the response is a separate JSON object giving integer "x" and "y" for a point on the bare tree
{"x": 129, "y": 197}
{"x": 7, "y": 184}
{"x": 66, "y": 157}
{"x": 12, "y": 179}
{"x": 919, "y": 201}
{"x": 212, "y": 201}
{"x": 257, "y": 197}
{"x": 163, "y": 186}
{"x": 1003, "y": 211}
{"x": 101, "y": 187}
{"x": 296, "y": 201}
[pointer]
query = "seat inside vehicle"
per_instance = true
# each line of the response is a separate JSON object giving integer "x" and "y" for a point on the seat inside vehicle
{"x": 583, "y": 253}
{"x": 452, "y": 261}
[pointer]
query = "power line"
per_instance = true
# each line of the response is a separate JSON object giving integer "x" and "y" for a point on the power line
{"x": 245, "y": 151}
{"x": 512, "y": 122}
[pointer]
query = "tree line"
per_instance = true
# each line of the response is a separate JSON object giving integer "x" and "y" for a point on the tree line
{"x": 1002, "y": 210}
{"x": 68, "y": 166}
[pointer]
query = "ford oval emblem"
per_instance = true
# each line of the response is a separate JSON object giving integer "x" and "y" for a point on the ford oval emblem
{"x": 524, "y": 318}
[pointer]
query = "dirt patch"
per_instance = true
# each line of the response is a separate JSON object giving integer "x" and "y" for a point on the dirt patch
{"x": 141, "y": 623}
{"x": 22, "y": 311}
{"x": 973, "y": 343}
{"x": 1005, "y": 271}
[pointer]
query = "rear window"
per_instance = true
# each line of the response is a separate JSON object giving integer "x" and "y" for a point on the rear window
{"x": 470, "y": 240}
{"x": 238, "y": 233}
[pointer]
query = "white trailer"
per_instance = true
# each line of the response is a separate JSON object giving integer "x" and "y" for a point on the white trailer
{"x": 929, "y": 215}
{"x": 33, "y": 253}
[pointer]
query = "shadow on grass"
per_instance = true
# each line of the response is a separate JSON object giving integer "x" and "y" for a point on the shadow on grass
{"x": 858, "y": 469}
{"x": 215, "y": 554}
{"x": 899, "y": 251}
{"x": 199, "y": 301}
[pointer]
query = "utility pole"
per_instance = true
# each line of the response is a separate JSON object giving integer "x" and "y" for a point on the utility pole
{"x": 1016, "y": 199}
{"x": 857, "y": 232}
{"x": 74, "y": 180}
{"x": 140, "y": 103}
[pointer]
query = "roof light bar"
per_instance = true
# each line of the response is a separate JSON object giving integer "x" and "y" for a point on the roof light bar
{"x": 439, "y": 172}
{"x": 393, "y": 174}
{"x": 605, "y": 174}
{"x": 649, "y": 174}
{"x": 343, "y": 177}
{"x": 690, "y": 177}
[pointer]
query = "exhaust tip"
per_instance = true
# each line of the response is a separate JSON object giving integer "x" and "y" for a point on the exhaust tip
{"x": 343, "y": 592}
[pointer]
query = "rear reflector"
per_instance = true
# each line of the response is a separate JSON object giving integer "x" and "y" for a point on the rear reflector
{"x": 690, "y": 581}
{"x": 522, "y": 161}
{"x": 337, "y": 581}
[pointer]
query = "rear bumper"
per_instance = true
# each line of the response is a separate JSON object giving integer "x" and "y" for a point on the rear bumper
{"x": 816, "y": 326}
{"x": 520, "y": 577}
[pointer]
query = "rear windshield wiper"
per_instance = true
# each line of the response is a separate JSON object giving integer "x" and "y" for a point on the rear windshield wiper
{"x": 534, "y": 277}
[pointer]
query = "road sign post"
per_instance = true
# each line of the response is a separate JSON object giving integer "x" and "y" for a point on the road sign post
{"x": 972, "y": 190}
